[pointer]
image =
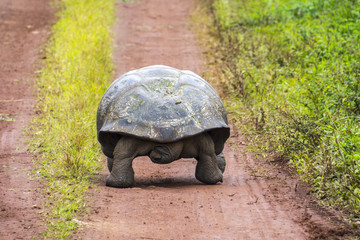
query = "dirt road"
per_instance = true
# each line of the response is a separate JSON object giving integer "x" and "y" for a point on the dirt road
{"x": 167, "y": 201}
{"x": 23, "y": 28}
{"x": 255, "y": 201}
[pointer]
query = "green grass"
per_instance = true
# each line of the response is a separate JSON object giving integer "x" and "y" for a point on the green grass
{"x": 291, "y": 71}
{"x": 76, "y": 72}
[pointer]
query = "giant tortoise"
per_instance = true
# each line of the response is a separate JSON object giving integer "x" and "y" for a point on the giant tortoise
{"x": 166, "y": 114}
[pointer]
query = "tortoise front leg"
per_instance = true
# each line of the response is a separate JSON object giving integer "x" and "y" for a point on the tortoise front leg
{"x": 221, "y": 162}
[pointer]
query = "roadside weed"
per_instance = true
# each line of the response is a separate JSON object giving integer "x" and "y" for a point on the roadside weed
{"x": 77, "y": 70}
{"x": 290, "y": 70}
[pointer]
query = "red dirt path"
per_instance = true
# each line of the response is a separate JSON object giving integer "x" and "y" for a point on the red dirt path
{"x": 255, "y": 201}
{"x": 167, "y": 202}
{"x": 23, "y": 28}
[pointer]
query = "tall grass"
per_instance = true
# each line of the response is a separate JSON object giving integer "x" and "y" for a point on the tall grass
{"x": 294, "y": 69}
{"x": 77, "y": 70}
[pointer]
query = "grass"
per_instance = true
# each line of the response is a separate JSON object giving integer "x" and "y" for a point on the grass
{"x": 76, "y": 72}
{"x": 290, "y": 71}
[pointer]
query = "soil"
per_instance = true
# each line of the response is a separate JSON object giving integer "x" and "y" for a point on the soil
{"x": 23, "y": 29}
{"x": 256, "y": 200}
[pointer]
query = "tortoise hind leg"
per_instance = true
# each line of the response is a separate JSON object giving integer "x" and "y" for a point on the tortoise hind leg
{"x": 121, "y": 170}
{"x": 220, "y": 160}
{"x": 120, "y": 167}
{"x": 207, "y": 170}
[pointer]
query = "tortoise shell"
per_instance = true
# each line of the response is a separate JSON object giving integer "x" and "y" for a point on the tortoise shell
{"x": 160, "y": 104}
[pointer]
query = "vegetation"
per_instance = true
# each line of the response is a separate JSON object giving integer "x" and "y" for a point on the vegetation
{"x": 293, "y": 68}
{"x": 76, "y": 72}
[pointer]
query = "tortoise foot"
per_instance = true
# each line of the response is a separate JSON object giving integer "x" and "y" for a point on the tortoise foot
{"x": 220, "y": 159}
{"x": 208, "y": 174}
{"x": 122, "y": 181}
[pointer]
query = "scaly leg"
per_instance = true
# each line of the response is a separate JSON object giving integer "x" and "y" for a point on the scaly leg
{"x": 221, "y": 162}
{"x": 122, "y": 173}
{"x": 207, "y": 170}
